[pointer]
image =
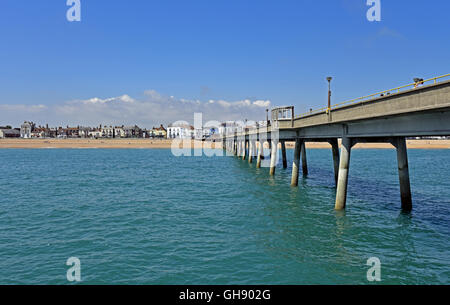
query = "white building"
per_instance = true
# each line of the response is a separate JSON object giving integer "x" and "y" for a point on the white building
{"x": 107, "y": 132}
{"x": 95, "y": 133}
{"x": 180, "y": 131}
{"x": 26, "y": 129}
{"x": 119, "y": 132}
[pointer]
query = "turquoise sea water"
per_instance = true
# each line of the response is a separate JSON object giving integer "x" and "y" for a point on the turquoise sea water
{"x": 147, "y": 217}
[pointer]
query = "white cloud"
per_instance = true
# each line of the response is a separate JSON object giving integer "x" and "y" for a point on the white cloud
{"x": 153, "y": 109}
{"x": 124, "y": 98}
{"x": 262, "y": 103}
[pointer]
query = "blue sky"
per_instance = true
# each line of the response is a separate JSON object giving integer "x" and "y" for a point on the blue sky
{"x": 231, "y": 51}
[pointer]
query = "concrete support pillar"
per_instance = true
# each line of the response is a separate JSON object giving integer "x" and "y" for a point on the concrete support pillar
{"x": 270, "y": 148}
{"x": 250, "y": 151}
{"x": 296, "y": 163}
{"x": 244, "y": 149}
{"x": 344, "y": 165}
{"x": 304, "y": 160}
{"x": 403, "y": 173}
{"x": 335, "y": 151}
{"x": 260, "y": 153}
{"x": 253, "y": 151}
{"x": 274, "y": 156}
{"x": 239, "y": 148}
{"x": 283, "y": 153}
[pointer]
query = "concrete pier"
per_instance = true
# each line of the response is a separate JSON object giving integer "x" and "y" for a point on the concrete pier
{"x": 335, "y": 150}
{"x": 304, "y": 160}
{"x": 403, "y": 173}
{"x": 389, "y": 117}
{"x": 344, "y": 166}
{"x": 296, "y": 163}
{"x": 260, "y": 153}
{"x": 273, "y": 156}
{"x": 283, "y": 153}
{"x": 250, "y": 151}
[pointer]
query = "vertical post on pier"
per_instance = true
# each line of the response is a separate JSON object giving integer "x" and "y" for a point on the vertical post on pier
{"x": 344, "y": 165}
{"x": 253, "y": 151}
{"x": 304, "y": 160}
{"x": 250, "y": 151}
{"x": 238, "y": 148}
{"x": 260, "y": 153}
{"x": 296, "y": 163}
{"x": 270, "y": 148}
{"x": 274, "y": 156}
{"x": 244, "y": 149}
{"x": 403, "y": 173}
{"x": 283, "y": 153}
{"x": 335, "y": 151}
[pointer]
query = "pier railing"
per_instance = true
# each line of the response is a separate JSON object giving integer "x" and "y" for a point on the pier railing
{"x": 396, "y": 90}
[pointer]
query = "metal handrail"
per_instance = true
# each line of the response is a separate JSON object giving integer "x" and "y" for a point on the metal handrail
{"x": 360, "y": 99}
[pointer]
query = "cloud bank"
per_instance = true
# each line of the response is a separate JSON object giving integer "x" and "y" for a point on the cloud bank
{"x": 151, "y": 110}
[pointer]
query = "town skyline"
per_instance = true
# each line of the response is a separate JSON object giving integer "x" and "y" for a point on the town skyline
{"x": 179, "y": 129}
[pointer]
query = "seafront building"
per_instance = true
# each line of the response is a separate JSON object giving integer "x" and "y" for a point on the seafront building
{"x": 26, "y": 129}
{"x": 9, "y": 132}
{"x": 158, "y": 132}
{"x": 180, "y": 131}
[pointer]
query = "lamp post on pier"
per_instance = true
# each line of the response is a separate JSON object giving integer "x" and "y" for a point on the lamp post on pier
{"x": 329, "y": 78}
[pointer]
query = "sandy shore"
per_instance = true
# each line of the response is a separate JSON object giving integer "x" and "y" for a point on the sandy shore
{"x": 159, "y": 144}
{"x": 93, "y": 143}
